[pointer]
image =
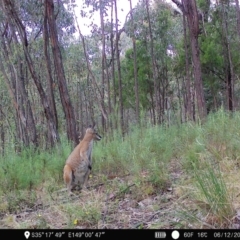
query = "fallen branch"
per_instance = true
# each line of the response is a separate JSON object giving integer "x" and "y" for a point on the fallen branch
{"x": 121, "y": 192}
{"x": 148, "y": 220}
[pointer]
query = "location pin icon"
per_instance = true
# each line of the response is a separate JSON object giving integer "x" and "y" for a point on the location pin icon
{"x": 27, "y": 234}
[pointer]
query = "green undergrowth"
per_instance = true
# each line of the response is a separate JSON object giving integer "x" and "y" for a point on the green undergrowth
{"x": 205, "y": 157}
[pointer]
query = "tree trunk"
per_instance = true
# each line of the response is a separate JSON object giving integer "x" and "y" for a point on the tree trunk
{"x": 189, "y": 8}
{"x": 18, "y": 94}
{"x": 119, "y": 69}
{"x": 2, "y": 131}
{"x": 16, "y": 86}
{"x": 238, "y": 17}
{"x": 189, "y": 102}
{"x": 228, "y": 59}
{"x": 193, "y": 23}
{"x": 104, "y": 66}
{"x": 154, "y": 71}
{"x": 49, "y": 70}
{"x": 62, "y": 85}
{"x": 135, "y": 66}
{"x": 113, "y": 57}
{"x": 92, "y": 76}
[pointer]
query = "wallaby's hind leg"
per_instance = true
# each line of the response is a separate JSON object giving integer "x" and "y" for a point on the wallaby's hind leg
{"x": 86, "y": 183}
{"x": 68, "y": 178}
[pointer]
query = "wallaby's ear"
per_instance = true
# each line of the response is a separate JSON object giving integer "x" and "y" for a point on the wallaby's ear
{"x": 94, "y": 124}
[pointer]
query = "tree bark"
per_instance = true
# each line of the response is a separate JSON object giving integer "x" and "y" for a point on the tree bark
{"x": 104, "y": 65}
{"x": 154, "y": 72}
{"x": 238, "y": 17}
{"x": 62, "y": 85}
{"x": 49, "y": 70}
{"x": 189, "y": 102}
{"x": 112, "y": 63}
{"x": 135, "y": 66}
{"x": 189, "y": 8}
{"x": 228, "y": 60}
{"x": 119, "y": 69}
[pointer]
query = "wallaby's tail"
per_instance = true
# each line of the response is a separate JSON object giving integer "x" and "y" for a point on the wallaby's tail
{"x": 67, "y": 176}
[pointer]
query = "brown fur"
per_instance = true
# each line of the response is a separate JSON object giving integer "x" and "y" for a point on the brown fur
{"x": 79, "y": 163}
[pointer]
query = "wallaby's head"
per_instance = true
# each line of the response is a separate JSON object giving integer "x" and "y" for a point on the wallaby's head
{"x": 92, "y": 131}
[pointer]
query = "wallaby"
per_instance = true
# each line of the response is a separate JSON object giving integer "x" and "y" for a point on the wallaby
{"x": 79, "y": 163}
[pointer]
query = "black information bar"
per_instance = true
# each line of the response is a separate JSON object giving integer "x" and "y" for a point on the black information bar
{"x": 116, "y": 234}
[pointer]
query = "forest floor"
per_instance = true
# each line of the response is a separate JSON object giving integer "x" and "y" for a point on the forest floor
{"x": 181, "y": 177}
{"x": 116, "y": 203}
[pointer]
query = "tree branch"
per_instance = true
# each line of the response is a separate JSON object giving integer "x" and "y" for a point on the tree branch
{"x": 179, "y": 5}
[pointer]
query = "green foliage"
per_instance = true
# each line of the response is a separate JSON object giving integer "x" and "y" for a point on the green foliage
{"x": 164, "y": 33}
{"x": 213, "y": 191}
{"x": 144, "y": 76}
{"x": 31, "y": 168}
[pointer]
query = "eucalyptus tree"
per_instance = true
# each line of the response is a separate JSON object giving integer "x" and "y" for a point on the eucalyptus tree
{"x": 229, "y": 74}
{"x": 151, "y": 56}
{"x": 119, "y": 73}
{"x": 219, "y": 45}
{"x": 105, "y": 62}
{"x": 189, "y": 8}
{"x": 34, "y": 23}
{"x": 13, "y": 19}
{"x": 238, "y": 16}
{"x": 153, "y": 60}
{"x": 92, "y": 55}
{"x": 59, "y": 68}
{"x": 135, "y": 63}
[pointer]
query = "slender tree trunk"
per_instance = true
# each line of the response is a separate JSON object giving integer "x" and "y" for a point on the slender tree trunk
{"x": 89, "y": 93}
{"x": 31, "y": 126}
{"x": 113, "y": 56}
{"x": 80, "y": 112}
{"x": 26, "y": 129}
{"x": 92, "y": 76}
{"x": 104, "y": 68}
{"x": 156, "y": 101}
{"x": 135, "y": 65}
{"x": 228, "y": 59}
{"x": 49, "y": 69}
{"x": 2, "y": 132}
{"x": 119, "y": 69}
{"x": 113, "y": 67}
{"x": 238, "y": 17}
{"x": 189, "y": 101}
{"x": 151, "y": 86}
{"x": 19, "y": 96}
{"x": 21, "y": 121}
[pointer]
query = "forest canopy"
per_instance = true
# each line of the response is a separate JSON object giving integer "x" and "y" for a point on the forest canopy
{"x": 169, "y": 62}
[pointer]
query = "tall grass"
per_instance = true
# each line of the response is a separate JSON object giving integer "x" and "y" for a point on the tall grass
{"x": 144, "y": 150}
{"x": 210, "y": 161}
{"x": 207, "y": 155}
{"x": 213, "y": 191}
{"x": 29, "y": 168}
